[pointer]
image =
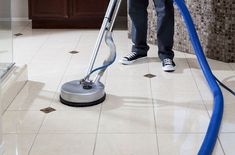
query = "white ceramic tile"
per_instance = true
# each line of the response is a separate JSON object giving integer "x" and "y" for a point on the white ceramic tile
{"x": 50, "y": 83}
{"x": 63, "y": 144}
{"x": 12, "y": 85}
{"x": 136, "y": 70}
{"x": 18, "y": 144}
{"x": 126, "y": 120}
{"x": 126, "y": 144}
{"x": 22, "y": 121}
{"x": 181, "y": 70}
{"x": 19, "y": 26}
{"x": 174, "y": 84}
{"x": 49, "y": 74}
{"x": 232, "y": 66}
{"x": 46, "y": 69}
{"x": 127, "y": 84}
{"x": 228, "y": 123}
{"x": 182, "y": 67}
{"x": 31, "y": 40}
{"x": 200, "y": 80}
{"x": 181, "y": 113}
{"x": 227, "y": 141}
{"x": 56, "y": 57}
{"x": 183, "y": 144}
{"x": 176, "y": 98}
{"x": 78, "y": 121}
{"x": 32, "y": 97}
{"x": 128, "y": 98}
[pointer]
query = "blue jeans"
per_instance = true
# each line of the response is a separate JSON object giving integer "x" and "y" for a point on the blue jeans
{"x": 165, "y": 26}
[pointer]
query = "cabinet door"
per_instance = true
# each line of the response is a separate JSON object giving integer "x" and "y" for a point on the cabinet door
{"x": 47, "y": 9}
{"x": 88, "y": 9}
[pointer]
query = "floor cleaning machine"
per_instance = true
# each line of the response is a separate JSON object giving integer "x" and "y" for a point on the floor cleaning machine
{"x": 88, "y": 92}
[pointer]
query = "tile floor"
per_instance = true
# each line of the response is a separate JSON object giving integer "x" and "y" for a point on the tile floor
{"x": 164, "y": 115}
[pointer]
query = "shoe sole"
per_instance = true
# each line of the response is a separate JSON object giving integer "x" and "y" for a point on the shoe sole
{"x": 130, "y": 62}
{"x": 168, "y": 68}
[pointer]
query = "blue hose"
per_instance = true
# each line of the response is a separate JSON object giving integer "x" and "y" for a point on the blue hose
{"x": 216, "y": 118}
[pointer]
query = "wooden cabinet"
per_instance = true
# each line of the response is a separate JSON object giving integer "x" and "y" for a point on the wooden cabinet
{"x": 49, "y": 9}
{"x": 87, "y": 9}
{"x": 67, "y": 13}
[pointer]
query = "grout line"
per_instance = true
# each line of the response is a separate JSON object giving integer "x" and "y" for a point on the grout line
{"x": 53, "y": 98}
{"x": 64, "y": 73}
{"x": 51, "y": 102}
{"x": 221, "y": 145}
{"x": 198, "y": 89}
{"x": 38, "y": 50}
{"x": 204, "y": 103}
{"x": 15, "y": 98}
{"x": 97, "y": 130}
{"x": 154, "y": 113}
{"x": 99, "y": 119}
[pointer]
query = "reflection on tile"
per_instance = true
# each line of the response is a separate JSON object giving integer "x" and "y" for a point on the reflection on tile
{"x": 127, "y": 84}
{"x": 22, "y": 121}
{"x": 18, "y": 144}
{"x": 126, "y": 144}
{"x": 129, "y": 99}
{"x": 79, "y": 121}
{"x": 32, "y": 97}
{"x": 228, "y": 141}
{"x": 180, "y": 113}
{"x": 127, "y": 120}
{"x": 63, "y": 144}
{"x": 177, "y": 84}
{"x": 228, "y": 123}
{"x": 183, "y": 144}
{"x": 181, "y": 118}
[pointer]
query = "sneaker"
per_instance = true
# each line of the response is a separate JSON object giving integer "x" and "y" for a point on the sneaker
{"x": 130, "y": 58}
{"x": 168, "y": 65}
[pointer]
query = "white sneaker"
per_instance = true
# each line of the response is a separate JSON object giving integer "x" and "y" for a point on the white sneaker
{"x": 168, "y": 65}
{"x": 130, "y": 58}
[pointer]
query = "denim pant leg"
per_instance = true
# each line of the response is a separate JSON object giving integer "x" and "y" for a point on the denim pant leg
{"x": 165, "y": 28}
{"x": 139, "y": 16}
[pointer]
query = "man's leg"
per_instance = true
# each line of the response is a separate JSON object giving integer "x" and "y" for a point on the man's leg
{"x": 165, "y": 33}
{"x": 139, "y": 17}
{"x": 165, "y": 28}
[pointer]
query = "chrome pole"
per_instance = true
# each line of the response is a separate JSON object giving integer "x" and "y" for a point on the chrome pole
{"x": 104, "y": 27}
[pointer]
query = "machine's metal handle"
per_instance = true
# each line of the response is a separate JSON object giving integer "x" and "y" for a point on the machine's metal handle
{"x": 110, "y": 43}
{"x": 104, "y": 27}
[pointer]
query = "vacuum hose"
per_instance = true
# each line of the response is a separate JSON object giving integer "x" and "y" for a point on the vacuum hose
{"x": 216, "y": 118}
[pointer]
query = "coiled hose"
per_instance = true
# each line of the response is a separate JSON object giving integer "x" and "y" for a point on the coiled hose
{"x": 216, "y": 118}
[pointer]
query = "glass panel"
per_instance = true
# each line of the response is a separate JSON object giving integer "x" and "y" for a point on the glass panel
{"x": 6, "y": 54}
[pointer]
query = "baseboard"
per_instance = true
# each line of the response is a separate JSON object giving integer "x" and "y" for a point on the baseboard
{"x": 16, "y": 19}
{"x": 11, "y": 85}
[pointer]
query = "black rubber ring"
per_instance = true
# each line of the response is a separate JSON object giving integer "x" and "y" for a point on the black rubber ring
{"x": 82, "y": 104}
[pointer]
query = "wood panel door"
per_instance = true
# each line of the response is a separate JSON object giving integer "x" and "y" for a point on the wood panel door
{"x": 48, "y": 9}
{"x": 88, "y": 9}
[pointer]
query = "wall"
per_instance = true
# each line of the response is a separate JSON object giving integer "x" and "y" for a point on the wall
{"x": 19, "y": 9}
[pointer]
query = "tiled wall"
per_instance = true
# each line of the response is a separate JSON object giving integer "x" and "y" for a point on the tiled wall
{"x": 215, "y": 24}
